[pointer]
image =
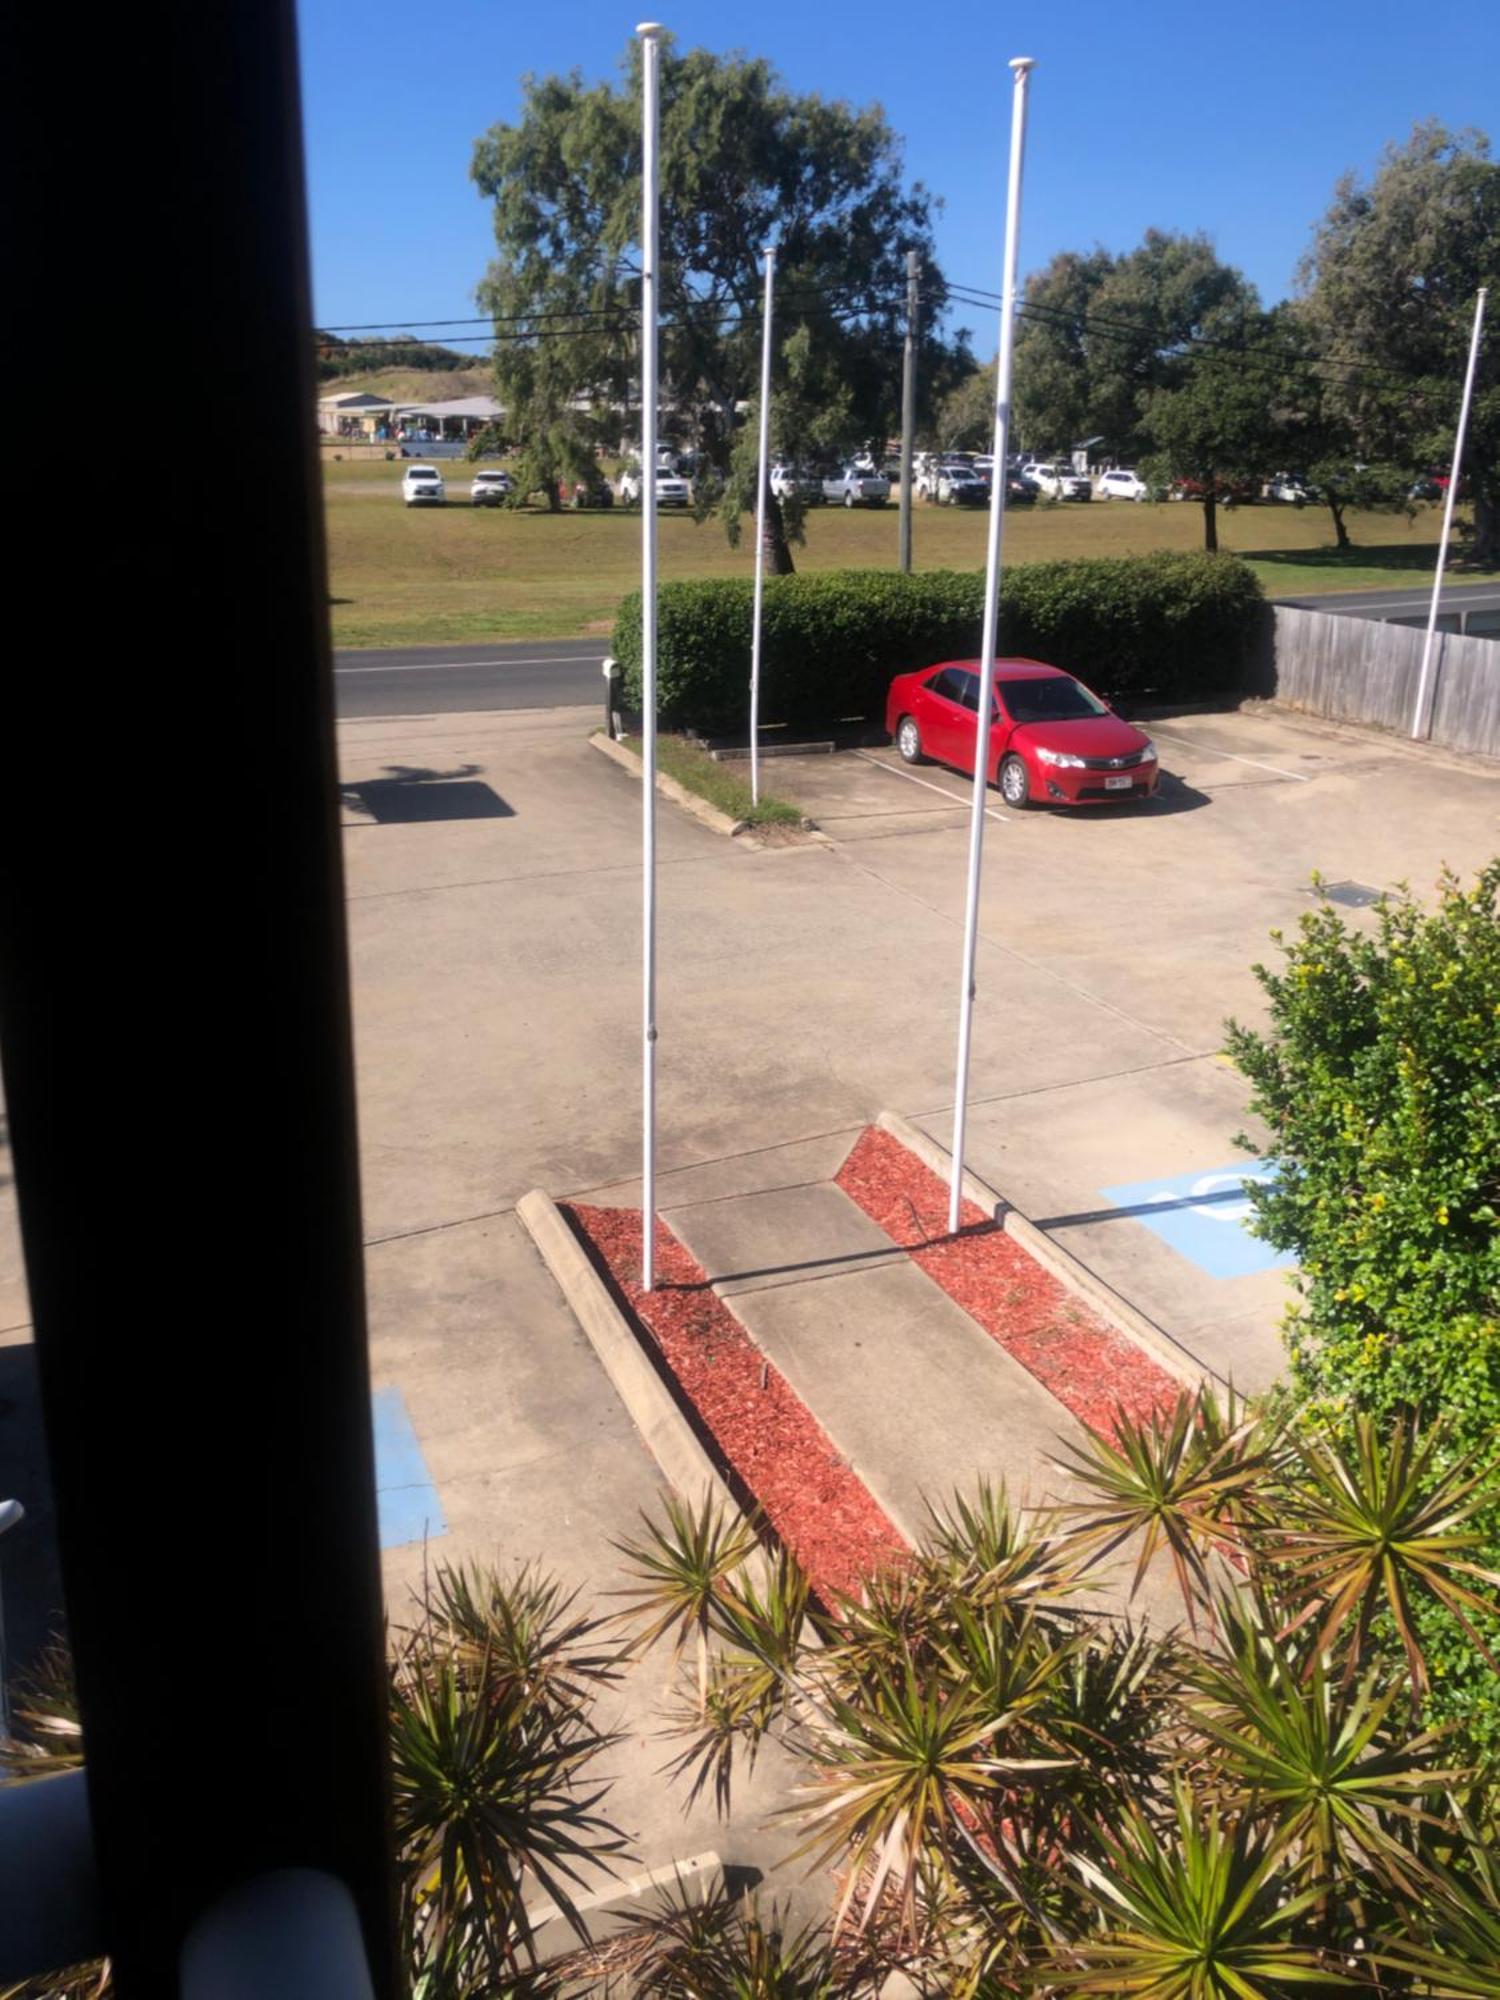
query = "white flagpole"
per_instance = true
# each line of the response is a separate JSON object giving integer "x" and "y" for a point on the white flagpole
{"x": 1458, "y": 459}
{"x": 1022, "y": 66}
{"x": 760, "y": 528}
{"x": 650, "y": 312}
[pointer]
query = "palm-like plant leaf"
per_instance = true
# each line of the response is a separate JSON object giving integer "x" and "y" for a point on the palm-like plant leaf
{"x": 728, "y": 1949}
{"x": 524, "y": 1626}
{"x": 1370, "y": 1527}
{"x": 682, "y": 1574}
{"x": 484, "y": 1782}
{"x": 1452, "y": 1927}
{"x": 750, "y": 1685}
{"x": 1206, "y": 1911}
{"x": 1313, "y": 1749}
{"x": 993, "y": 1552}
{"x": 907, "y": 1768}
{"x": 1178, "y": 1481}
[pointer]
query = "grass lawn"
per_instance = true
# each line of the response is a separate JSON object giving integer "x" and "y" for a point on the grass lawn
{"x": 720, "y": 784}
{"x": 408, "y": 576}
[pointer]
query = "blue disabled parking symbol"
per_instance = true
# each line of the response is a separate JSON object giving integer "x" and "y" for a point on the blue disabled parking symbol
{"x": 1204, "y": 1217}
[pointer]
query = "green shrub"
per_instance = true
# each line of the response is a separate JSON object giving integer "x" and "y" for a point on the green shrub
{"x": 1379, "y": 1078}
{"x": 1167, "y": 626}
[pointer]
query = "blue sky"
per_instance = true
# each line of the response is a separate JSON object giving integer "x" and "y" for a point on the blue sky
{"x": 1236, "y": 121}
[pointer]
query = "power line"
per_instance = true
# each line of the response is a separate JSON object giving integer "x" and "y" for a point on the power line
{"x": 807, "y": 301}
{"x": 1239, "y": 349}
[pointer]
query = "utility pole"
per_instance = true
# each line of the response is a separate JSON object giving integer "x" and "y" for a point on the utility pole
{"x": 908, "y": 405}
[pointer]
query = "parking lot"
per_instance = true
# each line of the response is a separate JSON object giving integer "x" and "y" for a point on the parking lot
{"x": 806, "y": 988}
{"x": 494, "y": 893}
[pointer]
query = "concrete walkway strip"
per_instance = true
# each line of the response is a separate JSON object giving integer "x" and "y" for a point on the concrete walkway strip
{"x": 668, "y": 1435}
{"x": 701, "y": 810}
{"x": 1063, "y": 1265}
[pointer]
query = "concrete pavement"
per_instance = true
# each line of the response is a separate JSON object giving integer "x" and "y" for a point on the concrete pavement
{"x": 537, "y": 1462}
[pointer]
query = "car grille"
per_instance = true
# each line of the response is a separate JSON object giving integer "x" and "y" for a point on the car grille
{"x": 1112, "y": 763}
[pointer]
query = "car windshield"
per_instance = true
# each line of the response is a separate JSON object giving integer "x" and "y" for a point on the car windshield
{"x": 1049, "y": 700}
{"x": 421, "y": 472}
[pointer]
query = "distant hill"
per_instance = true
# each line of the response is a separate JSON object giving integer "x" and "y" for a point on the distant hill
{"x": 351, "y": 362}
{"x": 416, "y": 385}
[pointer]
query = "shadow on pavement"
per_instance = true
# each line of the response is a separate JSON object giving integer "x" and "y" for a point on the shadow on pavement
{"x": 411, "y": 795}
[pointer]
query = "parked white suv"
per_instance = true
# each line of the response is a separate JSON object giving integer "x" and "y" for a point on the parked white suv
{"x": 1057, "y": 480}
{"x": 670, "y": 490}
{"x": 490, "y": 488}
{"x": 1122, "y": 484}
{"x": 422, "y": 486}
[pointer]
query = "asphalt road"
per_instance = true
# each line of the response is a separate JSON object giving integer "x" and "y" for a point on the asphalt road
{"x": 442, "y": 680}
{"x": 1461, "y": 597}
{"x": 564, "y": 673}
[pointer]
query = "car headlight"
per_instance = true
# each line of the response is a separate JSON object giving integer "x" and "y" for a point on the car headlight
{"x": 1060, "y": 757}
{"x": 1148, "y": 755}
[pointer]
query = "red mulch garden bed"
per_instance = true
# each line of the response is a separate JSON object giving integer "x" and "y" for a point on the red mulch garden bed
{"x": 1085, "y": 1363}
{"x": 808, "y": 1494}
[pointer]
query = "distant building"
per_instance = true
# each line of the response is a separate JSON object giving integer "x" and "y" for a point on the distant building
{"x": 356, "y": 414}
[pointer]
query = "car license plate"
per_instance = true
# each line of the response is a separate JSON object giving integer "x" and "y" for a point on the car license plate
{"x": 1118, "y": 784}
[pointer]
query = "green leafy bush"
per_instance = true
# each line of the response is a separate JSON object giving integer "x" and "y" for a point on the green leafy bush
{"x": 1379, "y": 1078}
{"x": 1168, "y": 626}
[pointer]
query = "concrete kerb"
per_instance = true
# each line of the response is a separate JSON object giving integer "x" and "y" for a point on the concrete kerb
{"x": 669, "y": 788}
{"x": 1063, "y": 1265}
{"x": 669, "y": 1437}
{"x": 665, "y": 1431}
{"x": 700, "y": 809}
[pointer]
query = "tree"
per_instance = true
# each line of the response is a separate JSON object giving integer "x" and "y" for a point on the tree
{"x": 1213, "y": 425}
{"x": 966, "y": 416}
{"x": 1100, "y": 334}
{"x": 1389, "y": 287}
{"x": 743, "y": 162}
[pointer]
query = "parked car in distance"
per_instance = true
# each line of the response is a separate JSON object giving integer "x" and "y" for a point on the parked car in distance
{"x": 962, "y": 486}
{"x": 796, "y": 480}
{"x": 851, "y": 488}
{"x": 1052, "y": 741}
{"x": 1019, "y": 492}
{"x": 422, "y": 486}
{"x": 595, "y": 491}
{"x": 1057, "y": 480}
{"x": 490, "y": 488}
{"x": 671, "y": 491}
{"x": 1122, "y": 484}
{"x": 1290, "y": 488}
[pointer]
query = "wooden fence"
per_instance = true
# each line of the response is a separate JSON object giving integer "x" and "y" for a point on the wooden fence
{"x": 1359, "y": 670}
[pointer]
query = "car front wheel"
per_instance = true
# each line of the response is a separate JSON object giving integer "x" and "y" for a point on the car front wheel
{"x": 848, "y": 499}
{"x": 909, "y": 741}
{"x": 1015, "y": 783}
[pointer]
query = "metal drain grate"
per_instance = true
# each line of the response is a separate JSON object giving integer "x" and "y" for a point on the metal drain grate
{"x": 1353, "y": 895}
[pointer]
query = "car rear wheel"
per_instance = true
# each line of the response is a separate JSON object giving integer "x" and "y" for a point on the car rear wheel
{"x": 909, "y": 741}
{"x": 1015, "y": 783}
{"x": 848, "y": 498}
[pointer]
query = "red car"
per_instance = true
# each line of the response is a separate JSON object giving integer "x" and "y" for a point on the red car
{"x": 1052, "y": 741}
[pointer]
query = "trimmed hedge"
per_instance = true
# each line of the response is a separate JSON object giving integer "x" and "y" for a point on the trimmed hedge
{"x": 1166, "y": 626}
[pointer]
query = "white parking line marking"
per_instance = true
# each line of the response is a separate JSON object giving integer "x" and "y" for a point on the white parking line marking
{"x": 442, "y": 666}
{"x": 1187, "y": 743}
{"x": 941, "y": 790}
